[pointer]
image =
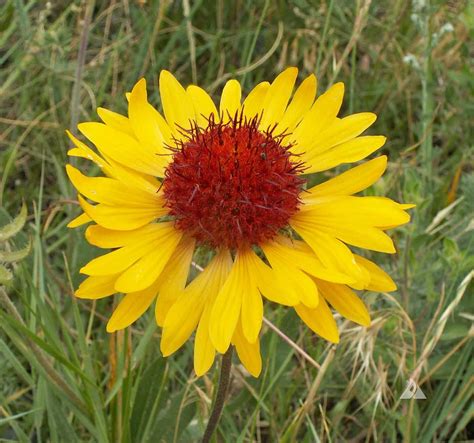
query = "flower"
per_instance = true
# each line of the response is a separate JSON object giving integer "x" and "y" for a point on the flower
{"x": 230, "y": 182}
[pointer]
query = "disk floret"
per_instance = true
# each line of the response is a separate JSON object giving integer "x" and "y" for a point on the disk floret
{"x": 232, "y": 185}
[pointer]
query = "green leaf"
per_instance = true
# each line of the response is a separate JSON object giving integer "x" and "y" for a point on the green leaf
{"x": 15, "y": 417}
{"x": 7, "y": 354}
{"x": 15, "y": 256}
{"x": 58, "y": 421}
{"x": 6, "y": 17}
{"x": 5, "y": 275}
{"x": 147, "y": 398}
{"x": 173, "y": 419}
{"x": 14, "y": 226}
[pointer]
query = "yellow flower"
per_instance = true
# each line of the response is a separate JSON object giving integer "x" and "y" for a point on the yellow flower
{"x": 231, "y": 180}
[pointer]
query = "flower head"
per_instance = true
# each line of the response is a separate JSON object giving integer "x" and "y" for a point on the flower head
{"x": 232, "y": 181}
{"x": 236, "y": 171}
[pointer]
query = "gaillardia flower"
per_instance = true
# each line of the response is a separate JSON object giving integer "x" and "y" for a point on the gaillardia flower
{"x": 230, "y": 180}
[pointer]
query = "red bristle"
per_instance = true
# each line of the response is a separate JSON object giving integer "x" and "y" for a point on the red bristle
{"x": 232, "y": 185}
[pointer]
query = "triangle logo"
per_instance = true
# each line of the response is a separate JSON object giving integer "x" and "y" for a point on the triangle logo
{"x": 412, "y": 390}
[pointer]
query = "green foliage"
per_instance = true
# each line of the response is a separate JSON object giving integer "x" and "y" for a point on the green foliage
{"x": 64, "y": 379}
{"x": 7, "y": 255}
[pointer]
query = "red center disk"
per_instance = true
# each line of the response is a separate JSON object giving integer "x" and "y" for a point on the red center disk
{"x": 231, "y": 185}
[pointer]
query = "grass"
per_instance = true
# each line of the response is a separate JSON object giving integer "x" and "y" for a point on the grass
{"x": 64, "y": 379}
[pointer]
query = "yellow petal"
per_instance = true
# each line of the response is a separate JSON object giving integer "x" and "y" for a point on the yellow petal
{"x": 227, "y": 306}
{"x": 230, "y": 100}
{"x": 303, "y": 285}
{"x": 252, "y": 311}
{"x": 204, "y": 351}
{"x": 253, "y": 103}
{"x": 181, "y": 320}
{"x": 130, "y": 308}
{"x": 144, "y": 120}
{"x": 348, "y": 152}
{"x": 350, "y": 182}
{"x": 380, "y": 281}
{"x": 299, "y": 105}
{"x": 345, "y": 301}
{"x": 340, "y": 131}
{"x": 242, "y": 285}
{"x": 303, "y": 257}
{"x": 360, "y": 236}
{"x": 333, "y": 253}
{"x": 177, "y": 106}
{"x": 83, "y": 151}
{"x": 121, "y": 217}
{"x": 184, "y": 315}
{"x": 319, "y": 320}
{"x": 116, "y": 121}
{"x": 148, "y": 268}
{"x": 111, "y": 192}
{"x": 120, "y": 259}
{"x": 278, "y": 97}
{"x": 122, "y": 148}
{"x": 79, "y": 221}
{"x": 249, "y": 353}
{"x": 133, "y": 178}
{"x": 173, "y": 278}
{"x": 96, "y": 287}
{"x": 370, "y": 211}
{"x": 204, "y": 107}
{"x": 321, "y": 115}
{"x": 108, "y": 238}
{"x": 273, "y": 285}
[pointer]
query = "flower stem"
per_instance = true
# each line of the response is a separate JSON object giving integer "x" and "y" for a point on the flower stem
{"x": 224, "y": 378}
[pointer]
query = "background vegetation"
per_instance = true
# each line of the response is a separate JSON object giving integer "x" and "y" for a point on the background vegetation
{"x": 64, "y": 379}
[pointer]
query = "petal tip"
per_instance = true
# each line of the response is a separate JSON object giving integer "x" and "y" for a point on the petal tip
{"x": 339, "y": 86}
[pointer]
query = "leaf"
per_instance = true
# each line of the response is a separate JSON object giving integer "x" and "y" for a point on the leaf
{"x": 173, "y": 419}
{"x": 58, "y": 421}
{"x": 6, "y": 17}
{"x": 15, "y": 417}
{"x": 147, "y": 398}
{"x": 408, "y": 424}
{"x": 14, "y": 256}
{"x": 13, "y": 361}
{"x": 5, "y": 275}
{"x": 14, "y": 226}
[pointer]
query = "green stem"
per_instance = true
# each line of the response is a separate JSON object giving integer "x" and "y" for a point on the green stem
{"x": 219, "y": 401}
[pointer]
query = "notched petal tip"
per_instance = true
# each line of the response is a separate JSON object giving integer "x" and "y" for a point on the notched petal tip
{"x": 84, "y": 270}
{"x": 139, "y": 90}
